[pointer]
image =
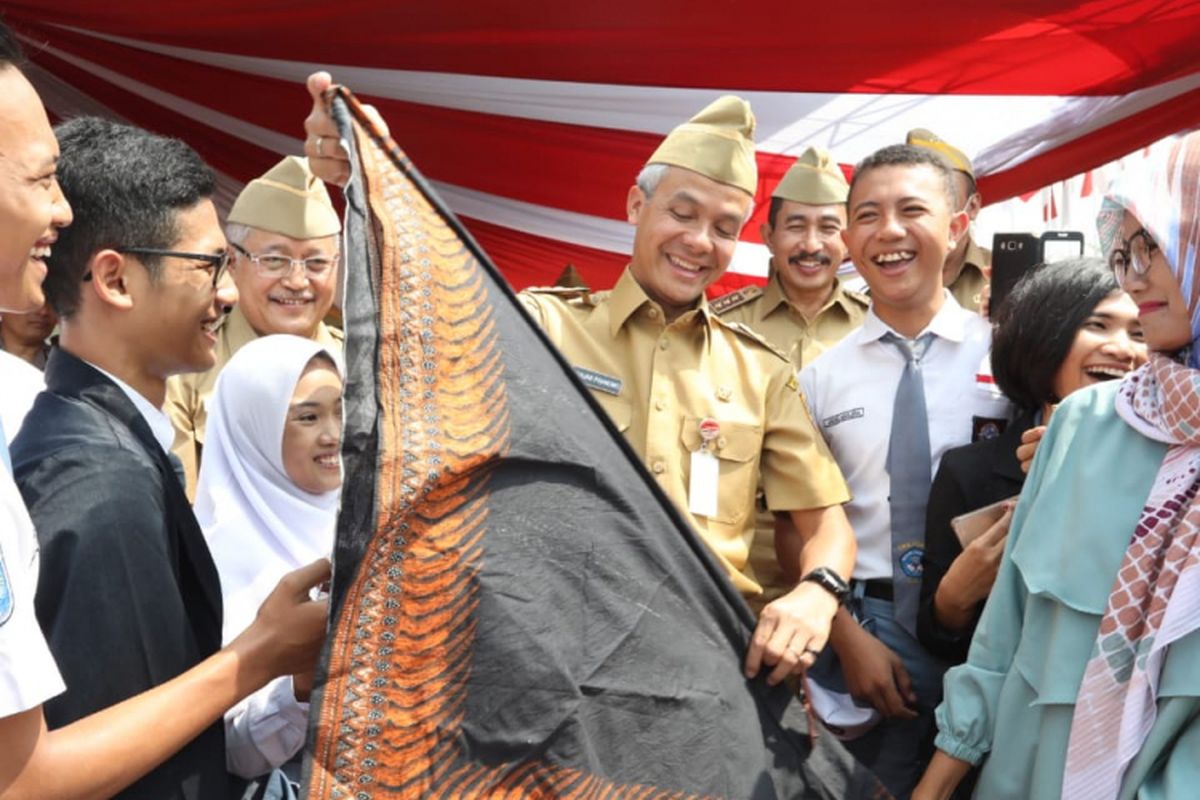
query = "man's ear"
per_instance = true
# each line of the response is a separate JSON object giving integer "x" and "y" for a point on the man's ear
{"x": 764, "y": 232}
{"x": 634, "y": 204}
{"x": 959, "y": 222}
{"x": 110, "y": 279}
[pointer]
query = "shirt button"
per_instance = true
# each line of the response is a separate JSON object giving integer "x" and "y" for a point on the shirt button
{"x": 664, "y": 343}
{"x": 659, "y": 405}
{"x": 652, "y": 313}
{"x": 658, "y": 467}
{"x": 721, "y": 441}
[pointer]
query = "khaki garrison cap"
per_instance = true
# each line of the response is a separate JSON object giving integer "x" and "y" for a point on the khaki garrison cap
{"x": 928, "y": 140}
{"x": 815, "y": 179}
{"x": 289, "y": 200}
{"x": 718, "y": 143}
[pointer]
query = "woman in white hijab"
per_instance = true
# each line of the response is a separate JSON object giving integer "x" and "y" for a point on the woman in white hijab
{"x": 267, "y": 500}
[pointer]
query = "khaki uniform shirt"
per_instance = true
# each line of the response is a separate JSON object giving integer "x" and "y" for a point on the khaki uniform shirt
{"x": 188, "y": 395}
{"x": 768, "y": 312}
{"x": 967, "y": 288}
{"x": 658, "y": 381}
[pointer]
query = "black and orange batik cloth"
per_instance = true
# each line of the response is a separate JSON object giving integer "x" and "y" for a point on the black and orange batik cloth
{"x": 517, "y": 610}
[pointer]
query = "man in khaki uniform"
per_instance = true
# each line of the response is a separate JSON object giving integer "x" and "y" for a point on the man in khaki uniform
{"x": 804, "y": 308}
{"x": 709, "y": 406}
{"x": 283, "y": 231}
{"x": 968, "y": 266}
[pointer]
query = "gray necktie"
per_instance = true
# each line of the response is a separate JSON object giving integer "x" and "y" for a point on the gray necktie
{"x": 909, "y": 466}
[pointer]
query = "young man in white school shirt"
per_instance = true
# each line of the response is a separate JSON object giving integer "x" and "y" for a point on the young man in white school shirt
{"x": 901, "y": 224}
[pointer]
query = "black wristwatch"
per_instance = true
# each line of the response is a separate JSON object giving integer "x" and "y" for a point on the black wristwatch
{"x": 831, "y": 582}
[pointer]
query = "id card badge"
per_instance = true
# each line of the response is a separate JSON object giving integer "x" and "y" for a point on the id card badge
{"x": 702, "y": 487}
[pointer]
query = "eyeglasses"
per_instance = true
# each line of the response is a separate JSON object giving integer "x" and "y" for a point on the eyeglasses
{"x": 214, "y": 263}
{"x": 1134, "y": 256}
{"x": 276, "y": 265}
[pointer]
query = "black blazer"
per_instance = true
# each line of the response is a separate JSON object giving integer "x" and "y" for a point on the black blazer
{"x": 970, "y": 477}
{"x": 128, "y": 595}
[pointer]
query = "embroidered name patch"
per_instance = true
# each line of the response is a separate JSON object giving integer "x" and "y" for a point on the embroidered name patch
{"x": 599, "y": 381}
{"x": 838, "y": 419}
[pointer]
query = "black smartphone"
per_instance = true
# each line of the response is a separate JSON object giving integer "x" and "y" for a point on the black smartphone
{"x": 1013, "y": 254}
{"x": 1061, "y": 246}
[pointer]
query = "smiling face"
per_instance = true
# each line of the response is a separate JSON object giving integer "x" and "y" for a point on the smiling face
{"x": 901, "y": 226}
{"x": 293, "y": 303}
{"x": 1108, "y": 344}
{"x": 686, "y": 232}
{"x": 806, "y": 246}
{"x": 1162, "y": 310}
{"x": 312, "y": 433}
{"x": 178, "y": 309}
{"x": 32, "y": 207}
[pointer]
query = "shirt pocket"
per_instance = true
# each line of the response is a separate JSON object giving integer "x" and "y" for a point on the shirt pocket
{"x": 619, "y": 410}
{"x": 737, "y": 448}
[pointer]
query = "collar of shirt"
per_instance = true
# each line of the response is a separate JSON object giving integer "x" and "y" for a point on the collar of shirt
{"x": 773, "y": 297}
{"x": 627, "y": 296}
{"x": 950, "y": 322}
{"x": 976, "y": 257}
{"x": 159, "y": 422}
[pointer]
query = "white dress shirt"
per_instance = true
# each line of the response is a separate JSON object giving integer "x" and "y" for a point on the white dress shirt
{"x": 851, "y": 389}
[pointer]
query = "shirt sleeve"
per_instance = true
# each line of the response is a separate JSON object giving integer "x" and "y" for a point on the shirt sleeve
{"x": 265, "y": 730}
{"x": 28, "y": 674}
{"x": 798, "y": 471}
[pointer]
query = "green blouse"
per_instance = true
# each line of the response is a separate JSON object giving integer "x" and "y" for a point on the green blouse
{"x": 1010, "y": 705}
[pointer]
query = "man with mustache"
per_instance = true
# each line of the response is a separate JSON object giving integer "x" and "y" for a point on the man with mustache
{"x": 283, "y": 236}
{"x": 804, "y": 309}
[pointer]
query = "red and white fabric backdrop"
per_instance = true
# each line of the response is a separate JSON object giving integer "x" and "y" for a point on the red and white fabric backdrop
{"x": 533, "y": 118}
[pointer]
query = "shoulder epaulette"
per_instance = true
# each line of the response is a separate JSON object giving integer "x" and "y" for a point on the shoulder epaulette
{"x": 750, "y": 333}
{"x": 738, "y": 297}
{"x": 565, "y": 293}
{"x": 858, "y": 297}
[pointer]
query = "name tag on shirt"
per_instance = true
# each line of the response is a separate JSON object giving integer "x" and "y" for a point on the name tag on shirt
{"x": 599, "y": 381}
{"x": 702, "y": 486}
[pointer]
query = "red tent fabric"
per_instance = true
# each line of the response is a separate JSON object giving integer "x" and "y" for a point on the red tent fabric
{"x": 533, "y": 120}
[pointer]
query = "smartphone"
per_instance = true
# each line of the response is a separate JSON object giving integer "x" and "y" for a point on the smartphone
{"x": 1061, "y": 246}
{"x": 970, "y": 526}
{"x": 1013, "y": 255}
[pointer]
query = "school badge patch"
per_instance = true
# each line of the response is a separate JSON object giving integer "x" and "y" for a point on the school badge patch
{"x": 6, "y": 595}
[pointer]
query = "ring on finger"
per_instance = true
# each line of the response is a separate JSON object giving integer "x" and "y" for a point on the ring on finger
{"x": 320, "y": 141}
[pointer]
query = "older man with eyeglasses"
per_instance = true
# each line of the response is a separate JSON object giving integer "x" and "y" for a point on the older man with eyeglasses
{"x": 283, "y": 236}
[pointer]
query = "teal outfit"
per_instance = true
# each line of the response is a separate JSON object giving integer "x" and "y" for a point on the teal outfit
{"x": 1010, "y": 705}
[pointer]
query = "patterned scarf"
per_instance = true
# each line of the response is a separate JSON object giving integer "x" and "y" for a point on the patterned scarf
{"x": 1155, "y": 598}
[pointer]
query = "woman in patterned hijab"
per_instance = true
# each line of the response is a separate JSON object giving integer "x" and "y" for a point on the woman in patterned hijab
{"x": 1083, "y": 679}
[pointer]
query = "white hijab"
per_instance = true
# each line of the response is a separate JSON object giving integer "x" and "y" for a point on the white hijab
{"x": 258, "y": 523}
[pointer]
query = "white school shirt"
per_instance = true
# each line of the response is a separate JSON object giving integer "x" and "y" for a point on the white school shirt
{"x": 851, "y": 388}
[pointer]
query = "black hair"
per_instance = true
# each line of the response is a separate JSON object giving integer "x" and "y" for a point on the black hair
{"x": 1035, "y": 327}
{"x": 906, "y": 155}
{"x": 11, "y": 54}
{"x": 126, "y": 187}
